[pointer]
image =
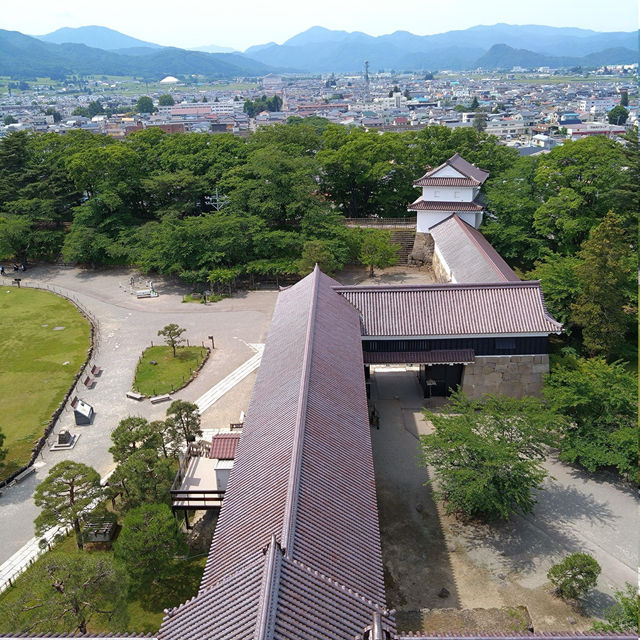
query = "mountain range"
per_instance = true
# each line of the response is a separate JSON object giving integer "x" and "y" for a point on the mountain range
{"x": 103, "y": 51}
{"x": 320, "y": 49}
{"x": 23, "y": 56}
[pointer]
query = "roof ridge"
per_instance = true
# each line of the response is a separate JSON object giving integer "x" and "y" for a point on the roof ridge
{"x": 269, "y": 591}
{"x": 291, "y": 504}
{"x": 507, "y": 284}
{"x": 338, "y": 585}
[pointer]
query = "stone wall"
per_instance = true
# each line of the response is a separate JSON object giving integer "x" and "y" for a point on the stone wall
{"x": 515, "y": 376}
{"x": 439, "y": 269}
{"x": 422, "y": 252}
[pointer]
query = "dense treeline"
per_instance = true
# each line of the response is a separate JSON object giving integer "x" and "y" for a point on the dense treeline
{"x": 150, "y": 200}
{"x": 569, "y": 219}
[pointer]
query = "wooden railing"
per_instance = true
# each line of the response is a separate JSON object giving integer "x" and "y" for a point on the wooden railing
{"x": 201, "y": 498}
{"x": 382, "y": 223}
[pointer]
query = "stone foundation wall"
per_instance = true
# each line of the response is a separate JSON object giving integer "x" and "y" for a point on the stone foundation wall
{"x": 515, "y": 376}
{"x": 422, "y": 252}
{"x": 439, "y": 270}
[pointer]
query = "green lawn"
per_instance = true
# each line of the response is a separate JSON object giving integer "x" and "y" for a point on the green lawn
{"x": 144, "y": 606}
{"x": 38, "y": 362}
{"x": 170, "y": 373}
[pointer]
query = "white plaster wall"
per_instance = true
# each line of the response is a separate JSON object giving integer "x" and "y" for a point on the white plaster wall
{"x": 447, "y": 172}
{"x": 448, "y": 194}
{"x": 426, "y": 219}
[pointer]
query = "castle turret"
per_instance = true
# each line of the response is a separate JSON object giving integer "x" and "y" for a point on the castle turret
{"x": 453, "y": 187}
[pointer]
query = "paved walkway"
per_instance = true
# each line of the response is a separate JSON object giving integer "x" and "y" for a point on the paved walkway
{"x": 126, "y": 325}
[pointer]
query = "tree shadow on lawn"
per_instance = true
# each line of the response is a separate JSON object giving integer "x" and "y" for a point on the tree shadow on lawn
{"x": 179, "y": 585}
{"x": 549, "y": 532}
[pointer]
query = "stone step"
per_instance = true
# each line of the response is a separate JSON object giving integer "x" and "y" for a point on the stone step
{"x": 405, "y": 239}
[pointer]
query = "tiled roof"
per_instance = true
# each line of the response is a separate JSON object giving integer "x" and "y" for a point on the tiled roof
{"x": 435, "y": 356}
{"x": 445, "y": 182}
{"x": 468, "y": 254}
{"x": 424, "y": 205}
{"x": 477, "y": 175}
{"x": 297, "y": 540}
{"x": 441, "y": 310}
{"x": 223, "y": 446}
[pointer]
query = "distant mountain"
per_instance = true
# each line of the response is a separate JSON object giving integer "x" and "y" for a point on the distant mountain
{"x": 502, "y": 56}
{"x": 322, "y": 50}
{"x": 97, "y": 37}
{"x": 26, "y": 57}
{"x": 214, "y": 48}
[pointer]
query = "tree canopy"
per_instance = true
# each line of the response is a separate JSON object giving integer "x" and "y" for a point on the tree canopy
{"x": 600, "y": 402}
{"x": 148, "y": 542}
{"x": 68, "y": 591}
{"x": 487, "y": 454}
{"x": 69, "y": 489}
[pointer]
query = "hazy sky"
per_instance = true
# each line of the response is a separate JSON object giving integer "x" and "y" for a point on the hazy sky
{"x": 192, "y": 23}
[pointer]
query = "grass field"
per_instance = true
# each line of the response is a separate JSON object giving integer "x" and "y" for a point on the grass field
{"x": 43, "y": 343}
{"x": 169, "y": 373}
{"x": 144, "y": 606}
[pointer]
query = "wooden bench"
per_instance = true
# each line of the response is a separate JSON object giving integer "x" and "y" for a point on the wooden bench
{"x": 96, "y": 370}
{"x": 135, "y": 395}
{"x": 74, "y": 402}
{"x": 88, "y": 382}
{"x": 163, "y": 398}
{"x": 24, "y": 474}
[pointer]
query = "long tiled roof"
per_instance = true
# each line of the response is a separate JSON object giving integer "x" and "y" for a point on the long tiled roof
{"x": 476, "y": 175}
{"x": 429, "y": 205}
{"x": 297, "y": 544}
{"x": 468, "y": 254}
{"x": 440, "y": 310}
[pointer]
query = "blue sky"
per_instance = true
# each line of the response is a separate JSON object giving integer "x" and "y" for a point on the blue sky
{"x": 194, "y": 23}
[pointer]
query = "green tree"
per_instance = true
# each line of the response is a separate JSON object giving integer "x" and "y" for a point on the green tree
{"x": 377, "y": 250}
{"x": 67, "y": 592}
{"x": 69, "y": 489}
{"x": 94, "y": 108}
{"x": 624, "y": 98}
{"x": 474, "y": 104}
{"x": 600, "y": 402}
{"x": 623, "y": 615}
{"x": 618, "y": 115}
{"x": 560, "y": 285}
{"x": 487, "y": 454}
{"x": 606, "y": 307}
{"x": 131, "y": 434}
{"x": 316, "y": 252}
{"x": 149, "y": 541}
{"x": 172, "y": 336}
{"x": 51, "y": 111}
{"x": 145, "y": 477}
{"x": 575, "y": 575}
{"x": 512, "y": 202}
{"x": 166, "y": 100}
{"x": 183, "y": 423}
{"x": 479, "y": 122}
{"x": 144, "y": 104}
{"x": 9, "y": 119}
{"x": 577, "y": 183}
